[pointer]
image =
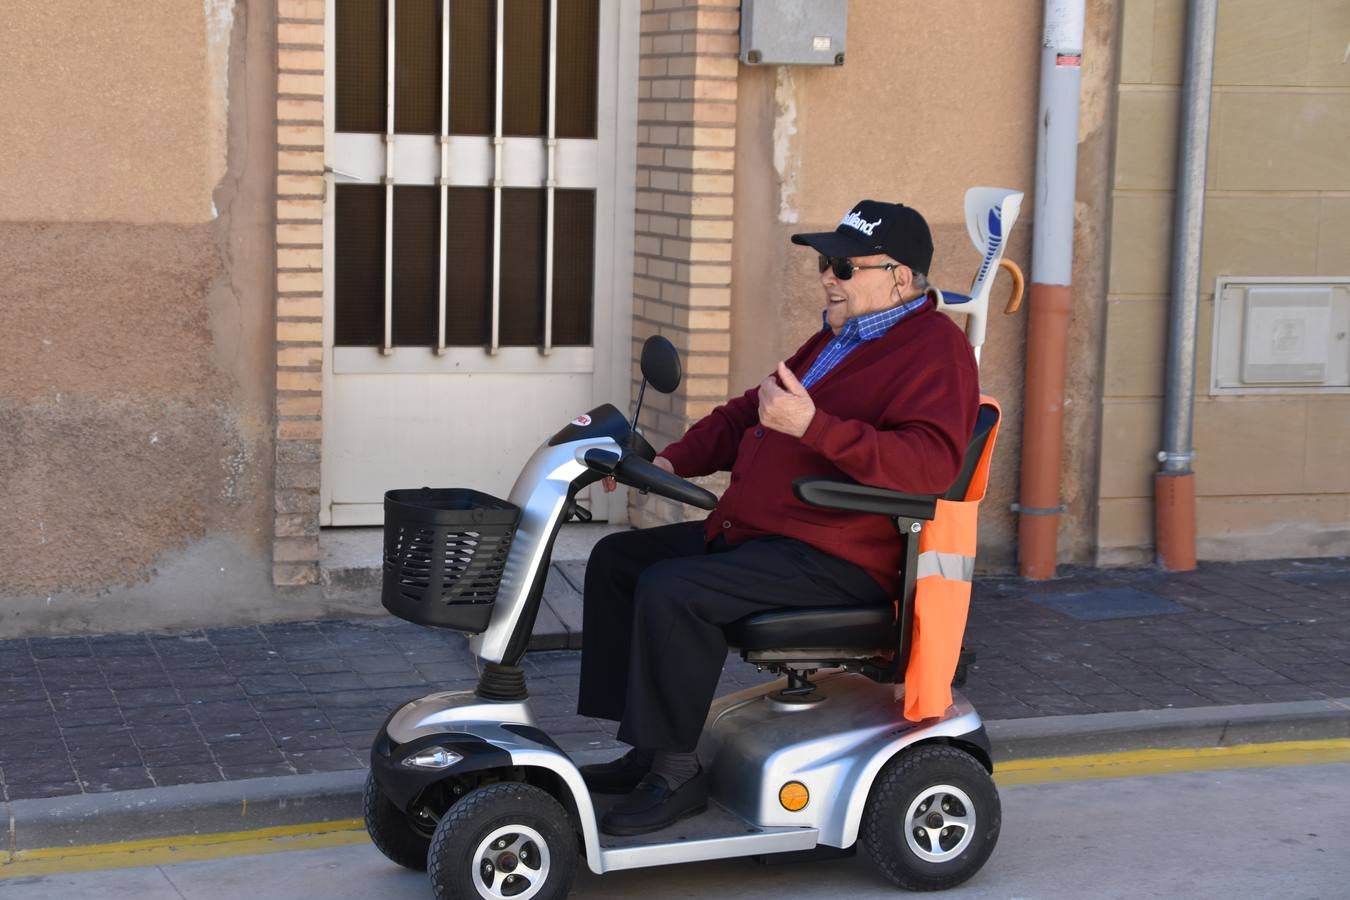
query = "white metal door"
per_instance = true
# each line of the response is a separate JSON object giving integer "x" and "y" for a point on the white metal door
{"x": 472, "y": 217}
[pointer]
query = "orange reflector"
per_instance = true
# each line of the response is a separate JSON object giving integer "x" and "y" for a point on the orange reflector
{"x": 793, "y": 796}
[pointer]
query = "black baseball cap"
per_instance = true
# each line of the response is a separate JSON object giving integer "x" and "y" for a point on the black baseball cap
{"x": 874, "y": 227}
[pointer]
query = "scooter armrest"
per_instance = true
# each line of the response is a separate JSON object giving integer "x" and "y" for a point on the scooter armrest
{"x": 854, "y": 497}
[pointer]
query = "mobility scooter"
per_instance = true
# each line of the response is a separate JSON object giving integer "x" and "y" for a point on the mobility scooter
{"x": 466, "y": 785}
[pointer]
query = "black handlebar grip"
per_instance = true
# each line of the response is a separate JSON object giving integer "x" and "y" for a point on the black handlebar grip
{"x": 602, "y": 461}
{"x": 639, "y": 473}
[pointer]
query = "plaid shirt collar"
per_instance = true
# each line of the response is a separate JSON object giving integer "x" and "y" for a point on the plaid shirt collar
{"x": 870, "y": 326}
{"x": 866, "y": 327}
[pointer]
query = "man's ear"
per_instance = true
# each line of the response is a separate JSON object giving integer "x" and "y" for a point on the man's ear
{"x": 904, "y": 278}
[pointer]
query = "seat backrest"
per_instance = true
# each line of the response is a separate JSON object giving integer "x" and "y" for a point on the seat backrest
{"x": 984, "y": 426}
{"x": 944, "y": 616}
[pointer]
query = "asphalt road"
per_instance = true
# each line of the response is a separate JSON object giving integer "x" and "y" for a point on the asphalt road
{"x": 1251, "y": 833}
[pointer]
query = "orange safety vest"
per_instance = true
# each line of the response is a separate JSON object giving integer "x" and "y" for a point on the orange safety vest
{"x": 942, "y": 591}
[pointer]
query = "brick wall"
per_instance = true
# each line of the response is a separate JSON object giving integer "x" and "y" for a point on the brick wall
{"x": 299, "y": 290}
{"x": 682, "y": 264}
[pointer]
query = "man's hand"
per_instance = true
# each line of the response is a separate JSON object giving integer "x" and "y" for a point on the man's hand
{"x": 660, "y": 462}
{"x": 789, "y": 408}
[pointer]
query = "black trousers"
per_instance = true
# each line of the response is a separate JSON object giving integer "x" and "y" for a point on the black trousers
{"x": 655, "y": 604}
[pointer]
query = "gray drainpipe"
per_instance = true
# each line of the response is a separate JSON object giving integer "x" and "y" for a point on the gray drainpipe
{"x": 1174, "y": 487}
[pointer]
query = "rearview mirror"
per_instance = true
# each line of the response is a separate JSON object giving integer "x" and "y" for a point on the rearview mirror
{"x": 661, "y": 364}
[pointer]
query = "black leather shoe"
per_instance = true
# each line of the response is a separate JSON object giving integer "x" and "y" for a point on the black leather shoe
{"x": 618, "y": 776}
{"x": 653, "y": 805}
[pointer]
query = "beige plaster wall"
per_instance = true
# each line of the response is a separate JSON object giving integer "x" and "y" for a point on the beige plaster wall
{"x": 136, "y": 250}
{"x": 113, "y": 112}
{"x": 934, "y": 98}
{"x": 1272, "y": 472}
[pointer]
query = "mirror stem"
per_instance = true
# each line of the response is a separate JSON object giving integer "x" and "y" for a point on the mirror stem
{"x": 637, "y": 412}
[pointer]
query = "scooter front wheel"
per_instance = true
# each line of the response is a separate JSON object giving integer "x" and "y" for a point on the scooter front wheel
{"x": 504, "y": 840}
{"x": 932, "y": 819}
{"x": 391, "y": 831}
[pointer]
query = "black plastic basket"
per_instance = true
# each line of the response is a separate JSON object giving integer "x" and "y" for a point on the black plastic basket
{"x": 444, "y": 551}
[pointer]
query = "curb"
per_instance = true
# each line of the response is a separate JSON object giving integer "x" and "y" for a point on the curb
{"x": 1165, "y": 729}
{"x": 288, "y": 800}
{"x": 187, "y": 809}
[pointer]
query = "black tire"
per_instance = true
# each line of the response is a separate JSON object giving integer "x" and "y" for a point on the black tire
{"x": 953, "y": 788}
{"x": 538, "y": 843}
{"x": 390, "y": 830}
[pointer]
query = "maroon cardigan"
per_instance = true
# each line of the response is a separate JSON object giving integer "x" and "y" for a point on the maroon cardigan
{"x": 897, "y": 413}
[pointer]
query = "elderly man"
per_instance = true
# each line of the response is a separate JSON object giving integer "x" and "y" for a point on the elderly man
{"x": 886, "y": 394}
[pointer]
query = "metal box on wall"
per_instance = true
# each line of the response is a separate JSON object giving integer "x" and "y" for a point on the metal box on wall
{"x": 793, "y": 32}
{"x": 1281, "y": 335}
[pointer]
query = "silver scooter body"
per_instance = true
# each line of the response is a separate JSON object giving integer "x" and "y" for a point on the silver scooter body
{"x": 540, "y": 492}
{"x": 752, "y": 744}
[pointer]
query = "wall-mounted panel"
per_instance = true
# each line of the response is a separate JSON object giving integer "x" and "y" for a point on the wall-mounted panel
{"x": 1281, "y": 335}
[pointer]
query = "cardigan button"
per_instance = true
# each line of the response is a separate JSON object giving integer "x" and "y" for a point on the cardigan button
{"x": 726, "y": 523}
{"x": 759, "y": 432}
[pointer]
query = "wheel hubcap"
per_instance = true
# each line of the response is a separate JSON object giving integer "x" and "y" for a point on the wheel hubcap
{"x": 511, "y": 861}
{"x": 940, "y": 823}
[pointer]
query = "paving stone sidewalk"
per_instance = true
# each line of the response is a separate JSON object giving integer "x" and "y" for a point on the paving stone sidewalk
{"x": 117, "y": 712}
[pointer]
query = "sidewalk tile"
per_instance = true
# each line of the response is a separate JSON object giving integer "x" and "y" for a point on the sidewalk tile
{"x": 165, "y": 776}
{"x": 400, "y": 679}
{"x": 34, "y": 790}
{"x": 169, "y": 736}
{"x": 219, "y": 693}
{"x": 284, "y": 701}
{"x": 284, "y": 683}
{"x": 59, "y": 648}
{"x": 127, "y": 778}
{"x": 318, "y": 666}
{"x": 182, "y": 755}
{"x": 205, "y": 676}
{"x": 23, "y": 709}
{"x": 332, "y": 681}
{"x": 143, "y": 698}
{"x": 42, "y": 769}
{"x": 19, "y": 746}
{"x": 228, "y": 712}
{"x": 330, "y": 759}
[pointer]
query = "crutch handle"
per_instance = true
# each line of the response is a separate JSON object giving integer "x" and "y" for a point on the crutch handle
{"x": 1019, "y": 283}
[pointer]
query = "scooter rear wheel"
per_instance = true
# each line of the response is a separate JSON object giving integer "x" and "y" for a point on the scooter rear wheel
{"x": 932, "y": 819}
{"x": 390, "y": 830}
{"x": 504, "y": 840}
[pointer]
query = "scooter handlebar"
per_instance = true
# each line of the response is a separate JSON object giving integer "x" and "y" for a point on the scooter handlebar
{"x": 637, "y": 472}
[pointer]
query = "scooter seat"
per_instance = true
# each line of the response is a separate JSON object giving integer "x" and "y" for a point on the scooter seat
{"x": 823, "y": 626}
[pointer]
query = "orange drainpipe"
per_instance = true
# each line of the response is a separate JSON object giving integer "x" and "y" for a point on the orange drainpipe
{"x": 1043, "y": 430}
{"x": 1051, "y": 277}
{"x": 1174, "y": 520}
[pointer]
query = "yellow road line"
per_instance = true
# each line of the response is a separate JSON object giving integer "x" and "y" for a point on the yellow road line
{"x": 183, "y": 848}
{"x": 1134, "y": 763}
{"x": 349, "y": 832}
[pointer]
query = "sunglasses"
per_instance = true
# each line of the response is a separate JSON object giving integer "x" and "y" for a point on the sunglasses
{"x": 844, "y": 267}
